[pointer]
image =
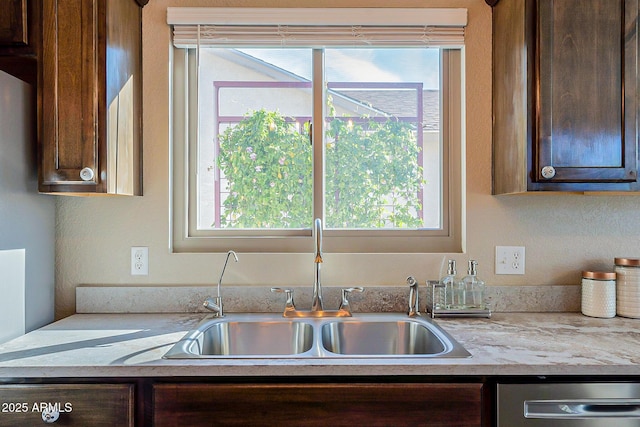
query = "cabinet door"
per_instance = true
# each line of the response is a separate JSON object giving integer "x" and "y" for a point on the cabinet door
{"x": 91, "y": 97}
{"x": 587, "y": 91}
{"x": 19, "y": 39}
{"x": 317, "y": 404}
{"x": 13, "y": 23}
{"x": 105, "y": 405}
{"x": 69, "y": 95}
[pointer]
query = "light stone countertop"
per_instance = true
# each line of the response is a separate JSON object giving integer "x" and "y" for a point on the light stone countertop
{"x": 132, "y": 345}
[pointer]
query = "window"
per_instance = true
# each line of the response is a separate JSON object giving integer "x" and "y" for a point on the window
{"x": 275, "y": 125}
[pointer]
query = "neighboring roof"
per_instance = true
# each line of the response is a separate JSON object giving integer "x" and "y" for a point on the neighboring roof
{"x": 396, "y": 102}
{"x": 402, "y": 103}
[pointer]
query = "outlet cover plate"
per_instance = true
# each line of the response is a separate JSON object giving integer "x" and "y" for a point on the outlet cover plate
{"x": 510, "y": 260}
{"x": 139, "y": 261}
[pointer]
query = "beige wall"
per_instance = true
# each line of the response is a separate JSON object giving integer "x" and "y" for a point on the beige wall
{"x": 563, "y": 234}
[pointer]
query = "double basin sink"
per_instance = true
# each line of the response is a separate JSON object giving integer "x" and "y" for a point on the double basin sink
{"x": 248, "y": 335}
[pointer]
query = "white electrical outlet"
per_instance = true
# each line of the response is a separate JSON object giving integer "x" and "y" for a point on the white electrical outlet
{"x": 509, "y": 259}
{"x": 139, "y": 261}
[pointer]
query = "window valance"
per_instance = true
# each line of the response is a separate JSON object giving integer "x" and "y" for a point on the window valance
{"x": 317, "y": 27}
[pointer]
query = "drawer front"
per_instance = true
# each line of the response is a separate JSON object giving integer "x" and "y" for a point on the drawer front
{"x": 75, "y": 405}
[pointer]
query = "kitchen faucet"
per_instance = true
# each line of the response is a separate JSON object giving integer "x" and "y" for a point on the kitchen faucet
{"x": 215, "y": 304}
{"x": 316, "y": 301}
{"x": 317, "y": 309}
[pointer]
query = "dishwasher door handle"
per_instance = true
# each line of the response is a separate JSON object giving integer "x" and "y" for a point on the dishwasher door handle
{"x": 582, "y": 408}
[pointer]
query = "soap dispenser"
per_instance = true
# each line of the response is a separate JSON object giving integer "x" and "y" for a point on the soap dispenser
{"x": 471, "y": 288}
{"x": 450, "y": 285}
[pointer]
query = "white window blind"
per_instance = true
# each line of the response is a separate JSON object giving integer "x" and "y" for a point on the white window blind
{"x": 314, "y": 27}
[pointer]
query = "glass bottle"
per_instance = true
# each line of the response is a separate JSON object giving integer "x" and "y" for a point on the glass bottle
{"x": 472, "y": 288}
{"x": 450, "y": 284}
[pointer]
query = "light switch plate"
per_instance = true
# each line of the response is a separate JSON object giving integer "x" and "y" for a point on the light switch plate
{"x": 510, "y": 260}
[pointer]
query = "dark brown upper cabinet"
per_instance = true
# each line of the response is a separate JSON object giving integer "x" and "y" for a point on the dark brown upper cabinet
{"x": 19, "y": 31}
{"x": 565, "y": 101}
{"x": 13, "y": 23}
{"x": 91, "y": 97}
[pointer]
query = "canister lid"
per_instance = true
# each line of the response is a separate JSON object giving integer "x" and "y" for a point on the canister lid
{"x": 599, "y": 275}
{"x": 627, "y": 262}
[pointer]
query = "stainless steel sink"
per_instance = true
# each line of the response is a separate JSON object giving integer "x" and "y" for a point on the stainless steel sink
{"x": 245, "y": 336}
{"x": 402, "y": 337}
{"x": 382, "y": 335}
{"x": 389, "y": 335}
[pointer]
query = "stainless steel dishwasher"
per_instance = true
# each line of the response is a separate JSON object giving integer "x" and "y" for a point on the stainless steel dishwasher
{"x": 569, "y": 404}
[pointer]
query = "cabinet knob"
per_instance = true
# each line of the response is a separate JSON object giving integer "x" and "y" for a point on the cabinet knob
{"x": 548, "y": 172}
{"x": 86, "y": 174}
{"x": 50, "y": 416}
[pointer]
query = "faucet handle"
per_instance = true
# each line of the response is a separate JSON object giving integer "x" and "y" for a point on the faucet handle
{"x": 289, "y": 305}
{"x": 214, "y": 304}
{"x": 344, "y": 305}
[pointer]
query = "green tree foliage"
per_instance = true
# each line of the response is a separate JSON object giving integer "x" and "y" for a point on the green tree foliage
{"x": 372, "y": 175}
{"x": 268, "y": 165}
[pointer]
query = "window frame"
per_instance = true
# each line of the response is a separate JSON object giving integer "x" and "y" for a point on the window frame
{"x": 183, "y": 188}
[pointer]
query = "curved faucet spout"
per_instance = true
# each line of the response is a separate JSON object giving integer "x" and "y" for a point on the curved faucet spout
{"x": 316, "y": 302}
{"x": 224, "y": 267}
{"x": 215, "y": 304}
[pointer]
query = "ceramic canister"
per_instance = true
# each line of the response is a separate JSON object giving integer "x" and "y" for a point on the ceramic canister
{"x": 628, "y": 287}
{"x": 599, "y": 294}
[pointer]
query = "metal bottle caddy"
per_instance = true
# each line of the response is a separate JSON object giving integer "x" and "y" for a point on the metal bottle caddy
{"x": 450, "y": 297}
{"x": 436, "y": 308}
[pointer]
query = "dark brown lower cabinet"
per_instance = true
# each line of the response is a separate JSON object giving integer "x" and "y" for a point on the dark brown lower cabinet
{"x": 367, "y": 404}
{"x": 81, "y": 405}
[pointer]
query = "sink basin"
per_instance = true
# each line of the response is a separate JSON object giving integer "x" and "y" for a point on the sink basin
{"x": 384, "y": 335}
{"x": 402, "y": 337}
{"x": 245, "y": 338}
{"x": 389, "y": 335}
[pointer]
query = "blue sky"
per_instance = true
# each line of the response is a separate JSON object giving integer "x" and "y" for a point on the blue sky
{"x": 357, "y": 64}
